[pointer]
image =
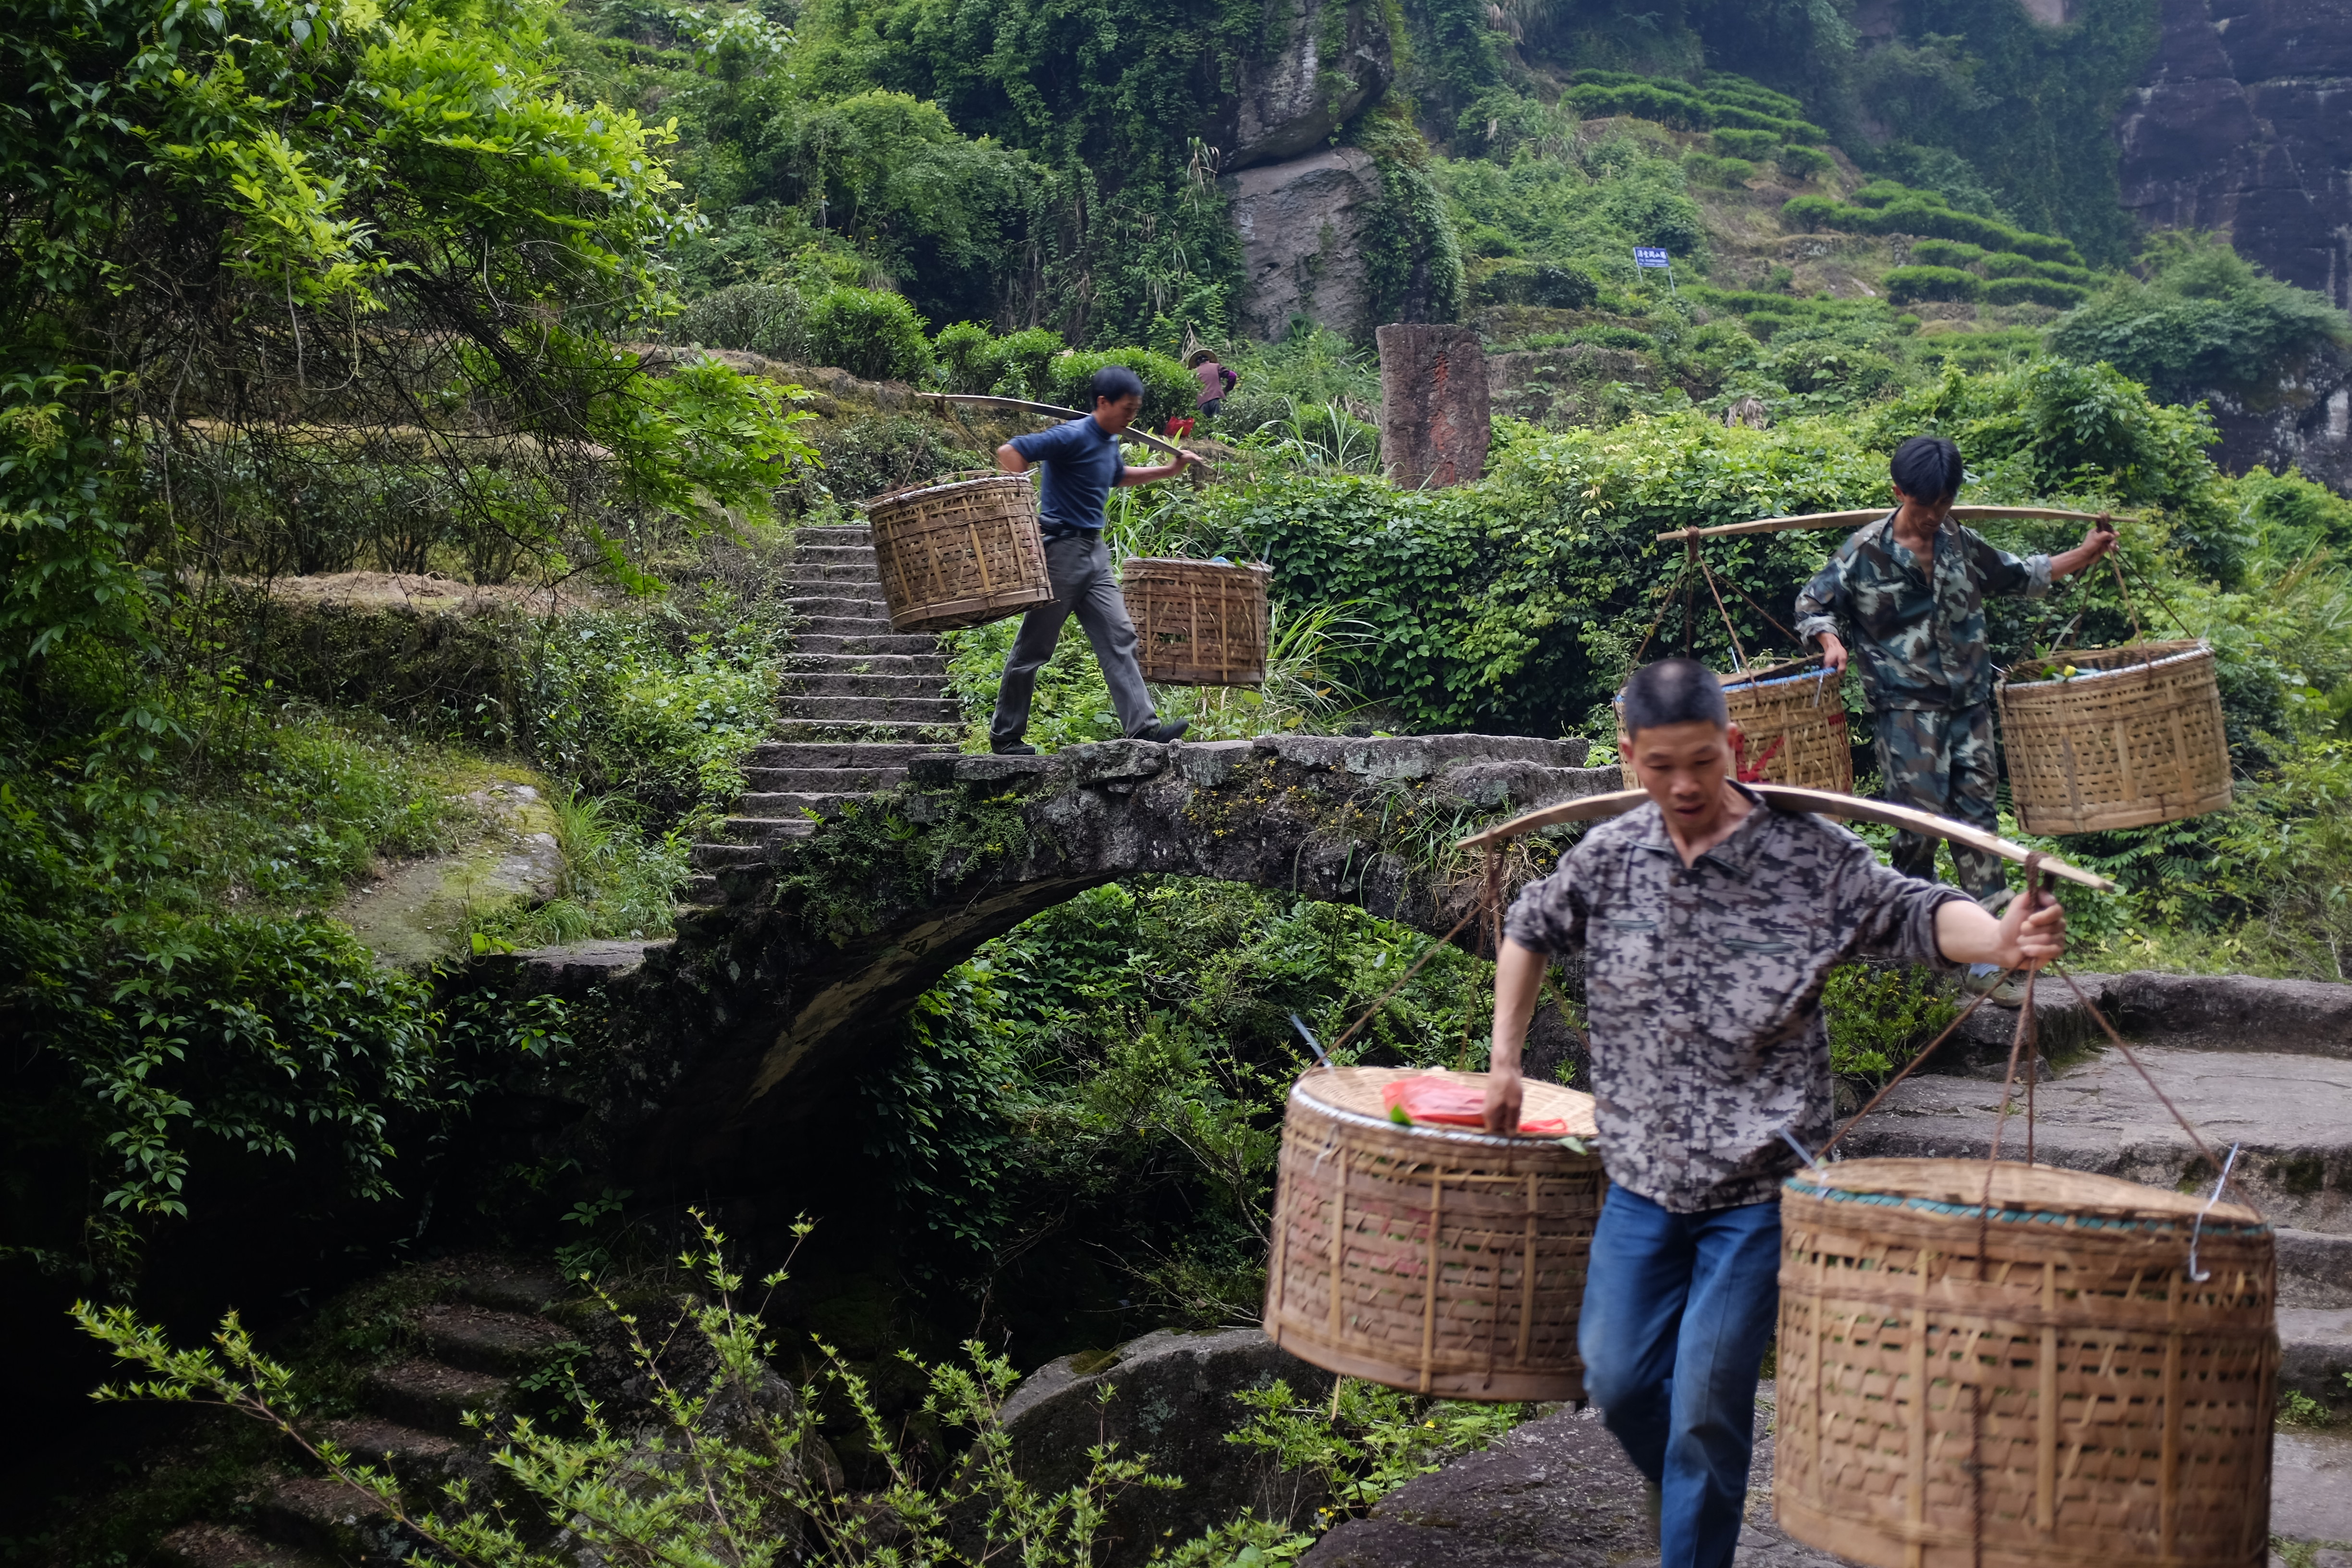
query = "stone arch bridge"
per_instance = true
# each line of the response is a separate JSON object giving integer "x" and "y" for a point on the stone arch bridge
{"x": 706, "y": 1058}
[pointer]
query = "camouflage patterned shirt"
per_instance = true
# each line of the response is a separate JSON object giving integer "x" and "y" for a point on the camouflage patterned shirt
{"x": 1919, "y": 643}
{"x": 1703, "y": 989}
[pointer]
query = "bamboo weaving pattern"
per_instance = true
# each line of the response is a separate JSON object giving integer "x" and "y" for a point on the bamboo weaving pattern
{"x": 2134, "y": 737}
{"x": 960, "y": 551}
{"x": 2043, "y": 1385}
{"x": 1436, "y": 1260}
{"x": 1198, "y": 623}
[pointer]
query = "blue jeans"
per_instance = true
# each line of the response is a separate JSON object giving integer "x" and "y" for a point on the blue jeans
{"x": 1677, "y": 1311}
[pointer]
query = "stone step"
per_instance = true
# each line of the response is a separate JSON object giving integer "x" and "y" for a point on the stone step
{"x": 432, "y": 1396}
{"x": 2292, "y": 1114}
{"x": 824, "y": 684}
{"x": 207, "y": 1545}
{"x": 2315, "y": 1267}
{"x": 848, "y": 533}
{"x": 761, "y": 831}
{"x": 481, "y": 1339}
{"x": 858, "y": 566}
{"x": 320, "y": 1514}
{"x": 422, "y": 1462}
{"x": 866, "y": 645}
{"x": 934, "y": 737}
{"x": 860, "y": 555}
{"x": 858, "y": 624}
{"x": 701, "y": 889}
{"x": 870, "y": 709}
{"x": 508, "y": 1284}
{"x": 836, "y": 754}
{"x": 720, "y": 857}
{"x": 2315, "y": 1353}
{"x": 821, "y": 781}
{"x": 840, "y": 606}
{"x": 790, "y": 806}
{"x": 934, "y": 665}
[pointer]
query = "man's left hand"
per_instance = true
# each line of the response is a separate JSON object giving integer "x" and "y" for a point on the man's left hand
{"x": 2100, "y": 539}
{"x": 1188, "y": 458}
{"x": 2032, "y": 932}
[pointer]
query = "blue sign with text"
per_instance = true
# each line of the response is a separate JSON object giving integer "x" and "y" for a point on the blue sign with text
{"x": 1650, "y": 255}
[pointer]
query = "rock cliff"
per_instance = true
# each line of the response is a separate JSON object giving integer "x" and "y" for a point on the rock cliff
{"x": 1321, "y": 61}
{"x": 2245, "y": 124}
{"x": 1301, "y": 225}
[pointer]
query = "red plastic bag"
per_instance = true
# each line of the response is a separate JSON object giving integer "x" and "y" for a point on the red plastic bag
{"x": 1447, "y": 1102}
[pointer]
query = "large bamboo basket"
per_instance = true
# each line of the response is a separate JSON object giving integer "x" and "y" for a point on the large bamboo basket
{"x": 2135, "y": 738}
{"x": 1198, "y": 623}
{"x": 1440, "y": 1260}
{"x": 960, "y": 551}
{"x": 2044, "y": 1387}
{"x": 1795, "y": 705}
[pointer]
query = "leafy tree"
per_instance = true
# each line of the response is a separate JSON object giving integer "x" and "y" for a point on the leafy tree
{"x": 2200, "y": 319}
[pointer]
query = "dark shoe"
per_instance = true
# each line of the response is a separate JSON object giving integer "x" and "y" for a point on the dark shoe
{"x": 1017, "y": 749}
{"x": 1163, "y": 732}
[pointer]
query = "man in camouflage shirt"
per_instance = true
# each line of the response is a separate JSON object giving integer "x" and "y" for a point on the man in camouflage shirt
{"x": 1920, "y": 633}
{"x": 1708, "y": 923}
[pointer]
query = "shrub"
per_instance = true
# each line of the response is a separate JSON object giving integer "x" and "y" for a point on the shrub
{"x": 2007, "y": 263}
{"x": 2034, "y": 291}
{"x": 1518, "y": 282}
{"x": 763, "y": 318}
{"x": 870, "y": 332}
{"x": 1733, "y": 144}
{"x": 1906, "y": 285}
{"x": 1169, "y": 389}
{"x": 1802, "y": 163}
{"x": 964, "y": 353}
{"x": 1805, "y": 214}
{"x": 1947, "y": 253}
{"x": 1708, "y": 169}
{"x": 1020, "y": 359}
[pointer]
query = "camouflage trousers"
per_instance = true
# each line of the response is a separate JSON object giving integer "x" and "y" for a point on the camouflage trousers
{"x": 1942, "y": 759}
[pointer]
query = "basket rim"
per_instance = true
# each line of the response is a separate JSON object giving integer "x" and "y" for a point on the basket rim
{"x": 960, "y": 476}
{"x": 2134, "y": 1207}
{"x": 1464, "y": 1136}
{"x": 2179, "y": 652}
{"x": 1133, "y": 561}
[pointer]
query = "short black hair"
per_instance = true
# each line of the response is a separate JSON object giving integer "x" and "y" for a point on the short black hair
{"x": 1927, "y": 468}
{"x": 1114, "y": 382}
{"x": 1672, "y": 691}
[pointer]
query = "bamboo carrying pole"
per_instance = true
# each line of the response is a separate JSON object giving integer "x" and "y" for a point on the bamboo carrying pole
{"x": 981, "y": 399}
{"x": 1872, "y": 514}
{"x": 1787, "y": 798}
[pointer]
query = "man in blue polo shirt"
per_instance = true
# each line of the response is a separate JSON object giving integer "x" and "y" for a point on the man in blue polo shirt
{"x": 1081, "y": 464}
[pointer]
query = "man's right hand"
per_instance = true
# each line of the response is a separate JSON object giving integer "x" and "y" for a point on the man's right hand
{"x": 1832, "y": 654}
{"x": 1505, "y": 1094}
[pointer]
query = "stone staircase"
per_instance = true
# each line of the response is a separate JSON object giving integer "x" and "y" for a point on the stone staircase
{"x": 472, "y": 1352}
{"x": 862, "y": 701}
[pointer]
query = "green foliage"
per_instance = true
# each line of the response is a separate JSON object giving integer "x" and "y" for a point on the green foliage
{"x": 1908, "y": 285}
{"x": 1368, "y": 1441}
{"x": 1580, "y": 211}
{"x": 1115, "y": 1068}
{"x": 1722, "y": 101}
{"x": 2202, "y": 320}
{"x": 868, "y": 332}
{"x": 1886, "y": 207}
{"x": 1880, "y": 1018}
{"x": 1169, "y": 389}
{"x": 728, "y": 1471}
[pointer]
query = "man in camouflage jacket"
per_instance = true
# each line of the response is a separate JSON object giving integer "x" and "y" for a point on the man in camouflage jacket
{"x": 1920, "y": 634}
{"x": 1708, "y": 925}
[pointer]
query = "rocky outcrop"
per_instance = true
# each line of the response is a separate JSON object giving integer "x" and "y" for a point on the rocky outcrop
{"x": 2243, "y": 125}
{"x": 1302, "y": 226}
{"x": 1321, "y": 61}
{"x": 1434, "y": 419}
{"x": 1173, "y": 1398}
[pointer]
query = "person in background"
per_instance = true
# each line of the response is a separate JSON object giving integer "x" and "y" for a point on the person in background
{"x": 1709, "y": 922}
{"x": 1215, "y": 380}
{"x": 1911, "y": 589}
{"x": 1082, "y": 462}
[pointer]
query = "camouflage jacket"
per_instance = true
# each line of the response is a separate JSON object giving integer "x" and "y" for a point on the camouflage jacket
{"x": 1703, "y": 989}
{"x": 1918, "y": 644}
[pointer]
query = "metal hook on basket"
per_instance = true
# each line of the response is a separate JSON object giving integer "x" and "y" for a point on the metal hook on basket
{"x": 2197, "y": 1230}
{"x": 1790, "y": 1140}
{"x": 1312, "y": 1043}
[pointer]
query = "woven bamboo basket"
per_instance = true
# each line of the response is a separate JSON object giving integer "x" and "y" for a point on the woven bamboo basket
{"x": 1198, "y": 623}
{"x": 960, "y": 551}
{"x": 2046, "y": 1386}
{"x": 1441, "y": 1261}
{"x": 1793, "y": 718}
{"x": 2136, "y": 737}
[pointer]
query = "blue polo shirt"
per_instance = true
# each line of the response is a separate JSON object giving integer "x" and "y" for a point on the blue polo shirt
{"x": 1081, "y": 463}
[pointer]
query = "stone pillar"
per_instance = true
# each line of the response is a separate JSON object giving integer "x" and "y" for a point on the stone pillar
{"x": 1434, "y": 424}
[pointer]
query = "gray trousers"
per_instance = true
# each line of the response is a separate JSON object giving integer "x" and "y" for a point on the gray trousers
{"x": 1084, "y": 586}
